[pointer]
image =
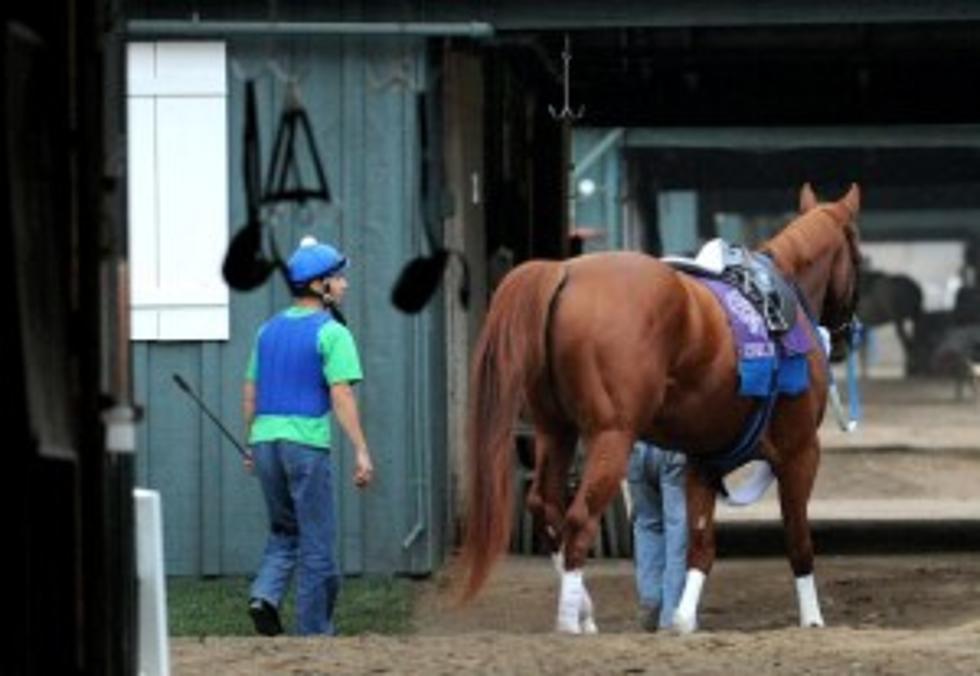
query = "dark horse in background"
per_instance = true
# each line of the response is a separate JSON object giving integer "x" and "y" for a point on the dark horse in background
{"x": 614, "y": 347}
{"x": 887, "y": 298}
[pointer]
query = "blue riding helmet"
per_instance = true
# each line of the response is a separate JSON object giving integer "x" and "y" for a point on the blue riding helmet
{"x": 313, "y": 260}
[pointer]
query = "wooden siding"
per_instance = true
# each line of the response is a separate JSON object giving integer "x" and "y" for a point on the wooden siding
{"x": 360, "y": 95}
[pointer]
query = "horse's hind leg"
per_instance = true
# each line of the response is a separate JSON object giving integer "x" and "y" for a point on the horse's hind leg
{"x": 796, "y": 476}
{"x": 553, "y": 454}
{"x": 701, "y": 549}
{"x": 607, "y": 454}
{"x": 555, "y": 489}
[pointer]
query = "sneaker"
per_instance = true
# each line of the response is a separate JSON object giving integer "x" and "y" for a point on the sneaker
{"x": 265, "y": 617}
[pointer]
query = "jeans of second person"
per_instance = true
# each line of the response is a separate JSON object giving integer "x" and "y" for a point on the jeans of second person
{"x": 296, "y": 482}
{"x": 656, "y": 479}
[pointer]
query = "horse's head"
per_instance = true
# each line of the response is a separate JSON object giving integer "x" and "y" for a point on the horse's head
{"x": 841, "y": 293}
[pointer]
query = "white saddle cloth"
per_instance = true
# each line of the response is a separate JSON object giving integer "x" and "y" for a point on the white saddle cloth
{"x": 713, "y": 257}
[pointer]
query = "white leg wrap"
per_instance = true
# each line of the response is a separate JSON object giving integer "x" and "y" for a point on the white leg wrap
{"x": 570, "y": 602}
{"x": 585, "y": 614}
{"x": 806, "y": 594}
{"x": 686, "y": 615}
{"x": 586, "y": 617}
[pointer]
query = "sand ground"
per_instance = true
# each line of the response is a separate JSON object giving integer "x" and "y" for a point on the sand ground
{"x": 916, "y": 455}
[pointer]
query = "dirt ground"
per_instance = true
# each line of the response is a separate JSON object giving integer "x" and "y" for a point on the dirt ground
{"x": 886, "y": 615}
{"x": 917, "y": 455}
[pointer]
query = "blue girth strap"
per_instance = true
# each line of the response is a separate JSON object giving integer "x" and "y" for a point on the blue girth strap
{"x": 715, "y": 466}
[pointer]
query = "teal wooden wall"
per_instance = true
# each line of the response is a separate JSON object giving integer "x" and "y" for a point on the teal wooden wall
{"x": 360, "y": 94}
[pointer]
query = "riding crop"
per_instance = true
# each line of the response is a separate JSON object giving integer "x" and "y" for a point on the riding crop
{"x": 182, "y": 384}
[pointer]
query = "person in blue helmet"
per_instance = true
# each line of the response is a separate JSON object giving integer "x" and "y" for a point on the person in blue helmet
{"x": 302, "y": 368}
{"x": 656, "y": 482}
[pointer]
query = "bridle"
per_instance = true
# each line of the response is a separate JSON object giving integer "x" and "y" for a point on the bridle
{"x": 848, "y": 320}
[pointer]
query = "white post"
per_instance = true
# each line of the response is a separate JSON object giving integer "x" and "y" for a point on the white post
{"x": 154, "y": 649}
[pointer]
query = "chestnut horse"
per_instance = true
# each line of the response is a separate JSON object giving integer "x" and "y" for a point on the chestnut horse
{"x": 614, "y": 347}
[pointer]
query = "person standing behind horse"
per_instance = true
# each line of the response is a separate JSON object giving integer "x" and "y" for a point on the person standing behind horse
{"x": 302, "y": 367}
{"x": 656, "y": 481}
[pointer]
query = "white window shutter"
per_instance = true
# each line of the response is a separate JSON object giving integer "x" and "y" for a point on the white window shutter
{"x": 178, "y": 189}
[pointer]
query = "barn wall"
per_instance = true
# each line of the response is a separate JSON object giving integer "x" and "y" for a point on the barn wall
{"x": 361, "y": 98}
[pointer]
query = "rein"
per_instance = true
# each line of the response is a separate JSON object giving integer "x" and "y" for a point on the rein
{"x": 851, "y": 329}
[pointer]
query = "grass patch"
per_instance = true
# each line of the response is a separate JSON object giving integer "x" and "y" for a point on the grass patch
{"x": 217, "y": 606}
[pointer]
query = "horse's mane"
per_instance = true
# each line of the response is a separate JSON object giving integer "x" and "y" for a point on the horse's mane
{"x": 808, "y": 236}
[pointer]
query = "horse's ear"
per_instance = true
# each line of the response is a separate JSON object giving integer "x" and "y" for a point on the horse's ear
{"x": 852, "y": 200}
{"x": 808, "y": 198}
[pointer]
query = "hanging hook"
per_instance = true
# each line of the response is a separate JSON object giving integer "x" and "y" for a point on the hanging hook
{"x": 566, "y": 112}
{"x": 400, "y": 75}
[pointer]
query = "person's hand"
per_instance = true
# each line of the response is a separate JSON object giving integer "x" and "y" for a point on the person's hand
{"x": 364, "y": 470}
{"x": 248, "y": 462}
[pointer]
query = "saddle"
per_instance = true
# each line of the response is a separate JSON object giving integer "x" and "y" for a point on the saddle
{"x": 763, "y": 310}
{"x": 753, "y": 274}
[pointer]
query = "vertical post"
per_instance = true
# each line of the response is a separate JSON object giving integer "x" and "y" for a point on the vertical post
{"x": 154, "y": 652}
{"x": 110, "y": 477}
{"x": 568, "y": 247}
{"x": 678, "y": 216}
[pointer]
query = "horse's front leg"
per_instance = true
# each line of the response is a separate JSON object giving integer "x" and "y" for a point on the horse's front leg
{"x": 606, "y": 457}
{"x": 701, "y": 549}
{"x": 796, "y": 476}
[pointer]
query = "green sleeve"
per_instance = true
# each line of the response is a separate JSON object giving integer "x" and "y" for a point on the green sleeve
{"x": 252, "y": 370}
{"x": 341, "y": 362}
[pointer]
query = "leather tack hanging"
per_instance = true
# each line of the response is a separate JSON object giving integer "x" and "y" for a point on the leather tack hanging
{"x": 284, "y": 180}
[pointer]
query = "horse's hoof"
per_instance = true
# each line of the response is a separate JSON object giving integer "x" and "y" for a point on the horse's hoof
{"x": 811, "y": 620}
{"x": 567, "y": 627}
{"x": 589, "y": 626}
{"x": 568, "y": 622}
{"x": 683, "y": 624}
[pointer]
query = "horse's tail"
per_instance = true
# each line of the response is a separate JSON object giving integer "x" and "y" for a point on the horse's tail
{"x": 510, "y": 357}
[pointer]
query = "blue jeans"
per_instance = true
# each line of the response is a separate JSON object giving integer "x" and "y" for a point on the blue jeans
{"x": 656, "y": 479}
{"x": 296, "y": 482}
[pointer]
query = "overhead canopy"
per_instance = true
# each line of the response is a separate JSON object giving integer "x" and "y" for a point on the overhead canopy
{"x": 797, "y": 138}
{"x": 578, "y": 14}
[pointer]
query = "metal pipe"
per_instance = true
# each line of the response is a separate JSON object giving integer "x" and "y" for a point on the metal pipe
{"x": 413, "y": 535}
{"x": 419, "y": 441}
{"x": 420, "y": 433}
{"x": 796, "y": 138}
{"x": 597, "y": 151}
{"x": 197, "y": 28}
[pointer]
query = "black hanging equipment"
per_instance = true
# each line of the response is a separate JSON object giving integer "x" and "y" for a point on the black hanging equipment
{"x": 246, "y": 266}
{"x": 284, "y": 181}
{"x": 419, "y": 279}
